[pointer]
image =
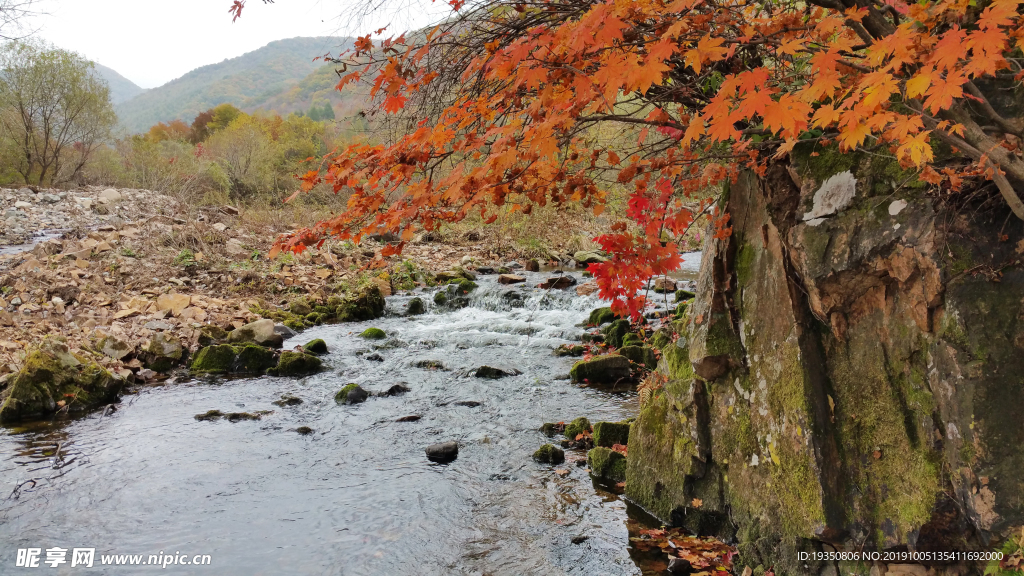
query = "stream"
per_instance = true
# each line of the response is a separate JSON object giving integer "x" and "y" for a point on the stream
{"x": 357, "y": 496}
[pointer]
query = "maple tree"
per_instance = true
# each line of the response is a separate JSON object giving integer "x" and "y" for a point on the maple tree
{"x": 497, "y": 106}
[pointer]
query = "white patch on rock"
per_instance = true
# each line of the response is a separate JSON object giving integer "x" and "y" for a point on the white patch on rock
{"x": 815, "y": 221}
{"x": 754, "y": 460}
{"x": 835, "y": 194}
{"x": 896, "y": 227}
{"x": 896, "y": 207}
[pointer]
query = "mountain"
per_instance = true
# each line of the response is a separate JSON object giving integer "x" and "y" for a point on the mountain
{"x": 253, "y": 80}
{"x": 121, "y": 88}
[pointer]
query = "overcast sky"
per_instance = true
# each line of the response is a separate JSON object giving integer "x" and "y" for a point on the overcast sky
{"x": 151, "y": 42}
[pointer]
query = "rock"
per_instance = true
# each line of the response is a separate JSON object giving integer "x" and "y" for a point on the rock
{"x": 373, "y": 334}
{"x": 304, "y": 430}
{"x": 396, "y": 390}
{"x": 615, "y": 332}
{"x": 208, "y": 334}
{"x": 375, "y": 357}
{"x": 230, "y": 416}
{"x": 570, "y": 350}
{"x": 287, "y": 401}
{"x": 284, "y": 331}
{"x": 219, "y": 227}
{"x": 576, "y": 427}
{"x": 415, "y": 307}
{"x": 428, "y": 364}
{"x": 467, "y": 260}
{"x": 462, "y": 286}
{"x": 217, "y": 359}
{"x": 587, "y": 289}
{"x": 296, "y": 364}
{"x": 484, "y": 270}
{"x": 558, "y": 283}
{"x": 549, "y": 454}
{"x": 174, "y": 303}
{"x": 260, "y": 332}
{"x": 112, "y": 347}
{"x": 235, "y": 247}
{"x": 513, "y": 265}
{"x": 608, "y": 369}
{"x": 441, "y": 298}
{"x": 607, "y": 464}
{"x": 469, "y": 403}
{"x": 252, "y": 359}
{"x": 492, "y": 372}
{"x": 588, "y": 337}
{"x": 300, "y": 307}
{"x": 642, "y": 355}
{"x": 609, "y": 434}
{"x": 585, "y": 257}
{"x": 579, "y": 539}
{"x": 632, "y": 339}
{"x": 163, "y": 352}
{"x": 510, "y": 279}
{"x": 209, "y": 415}
{"x": 682, "y": 295}
{"x": 351, "y": 394}
{"x": 664, "y": 285}
{"x": 600, "y": 316}
{"x": 110, "y": 195}
{"x": 533, "y": 265}
{"x": 552, "y": 428}
{"x": 229, "y": 210}
{"x": 679, "y": 566}
{"x": 443, "y": 453}
{"x": 161, "y": 325}
{"x": 52, "y": 378}
{"x": 412, "y": 418}
{"x": 22, "y": 204}
{"x": 317, "y": 347}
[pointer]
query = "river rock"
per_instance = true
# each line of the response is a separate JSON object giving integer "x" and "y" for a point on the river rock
{"x": 558, "y": 283}
{"x": 600, "y": 316}
{"x": 607, "y": 464}
{"x": 252, "y": 359}
{"x": 318, "y": 347}
{"x": 578, "y": 426}
{"x": 208, "y": 334}
{"x": 608, "y": 369}
{"x": 113, "y": 347}
{"x": 163, "y": 352}
{"x": 533, "y": 265}
{"x": 260, "y": 332}
{"x": 510, "y": 279}
{"x": 287, "y": 400}
{"x": 161, "y": 325}
{"x": 492, "y": 372}
{"x": 296, "y": 364}
{"x": 415, "y": 307}
{"x": 373, "y": 334}
{"x": 549, "y": 454}
{"x": 615, "y": 332}
{"x": 585, "y": 257}
{"x": 174, "y": 303}
{"x": 396, "y": 389}
{"x": 284, "y": 331}
{"x": 52, "y": 378}
{"x": 609, "y": 434}
{"x": 664, "y": 285}
{"x": 443, "y": 453}
{"x": 351, "y": 394}
{"x": 570, "y": 350}
{"x": 216, "y": 359}
{"x": 642, "y": 355}
{"x": 110, "y": 196}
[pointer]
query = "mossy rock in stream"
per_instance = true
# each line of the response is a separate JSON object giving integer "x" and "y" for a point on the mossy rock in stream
{"x": 300, "y": 307}
{"x": 365, "y": 304}
{"x": 601, "y": 316}
{"x": 52, "y": 378}
{"x": 632, "y": 340}
{"x": 549, "y": 454}
{"x": 252, "y": 359}
{"x": 415, "y": 307}
{"x": 462, "y": 286}
{"x": 163, "y": 352}
{"x": 608, "y": 434}
{"x": 351, "y": 394}
{"x": 683, "y": 295}
{"x": 607, "y": 464}
{"x": 607, "y": 369}
{"x": 217, "y": 359}
{"x": 317, "y": 346}
{"x": 441, "y": 298}
{"x": 577, "y": 427}
{"x": 615, "y": 332}
{"x": 570, "y": 350}
{"x": 210, "y": 334}
{"x": 373, "y": 334}
{"x": 642, "y": 355}
{"x": 296, "y": 364}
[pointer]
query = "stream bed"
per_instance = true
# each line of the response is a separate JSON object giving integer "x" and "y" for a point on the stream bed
{"x": 357, "y": 496}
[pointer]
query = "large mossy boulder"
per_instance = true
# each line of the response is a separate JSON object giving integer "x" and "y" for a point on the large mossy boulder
{"x": 252, "y": 359}
{"x": 296, "y": 364}
{"x": 549, "y": 454}
{"x": 210, "y": 334}
{"x": 609, "y": 434}
{"x": 52, "y": 379}
{"x": 615, "y": 332}
{"x": 606, "y": 464}
{"x": 578, "y": 426}
{"x": 217, "y": 359}
{"x": 415, "y": 307}
{"x": 260, "y": 332}
{"x": 841, "y": 382}
{"x": 373, "y": 334}
{"x": 366, "y": 303}
{"x": 600, "y": 316}
{"x": 317, "y": 346}
{"x": 640, "y": 355}
{"x": 607, "y": 369}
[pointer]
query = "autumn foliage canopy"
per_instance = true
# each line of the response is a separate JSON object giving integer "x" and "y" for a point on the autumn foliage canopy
{"x": 496, "y": 108}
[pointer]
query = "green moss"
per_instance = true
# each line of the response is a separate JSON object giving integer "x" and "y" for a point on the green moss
{"x": 415, "y": 307}
{"x": 214, "y": 359}
{"x": 577, "y": 427}
{"x": 210, "y": 334}
{"x": 317, "y": 346}
{"x": 681, "y": 309}
{"x": 642, "y": 355}
{"x": 549, "y": 454}
{"x": 342, "y": 396}
{"x": 607, "y": 464}
{"x": 615, "y": 332}
{"x": 632, "y": 340}
{"x": 462, "y": 286}
{"x": 607, "y": 369}
{"x": 296, "y": 364}
{"x": 300, "y": 307}
{"x": 683, "y": 295}
{"x": 600, "y": 316}
{"x": 252, "y": 359}
{"x": 608, "y": 434}
{"x": 744, "y": 263}
{"x": 441, "y": 298}
{"x": 570, "y": 350}
{"x": 373, "y": 334}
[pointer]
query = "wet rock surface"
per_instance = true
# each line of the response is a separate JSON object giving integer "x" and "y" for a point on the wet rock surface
{"x": 443, "y": 452}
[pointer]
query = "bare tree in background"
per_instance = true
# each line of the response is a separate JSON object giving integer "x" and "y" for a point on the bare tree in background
{"x": 12, "y": 17}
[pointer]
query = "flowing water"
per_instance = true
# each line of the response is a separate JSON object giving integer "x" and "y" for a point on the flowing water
{"x": 357, "y": 496}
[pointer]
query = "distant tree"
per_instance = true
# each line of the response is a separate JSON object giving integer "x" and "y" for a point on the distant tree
{"x": 12, "y": 13}
{"x": 222, "y": 115}
{"x": 245, "y": 151}
{"x": 200, "y": 131}
{"x": 175, "y": 130}
{"x": 54, "y": 110}
{"x": 321, "y": 112}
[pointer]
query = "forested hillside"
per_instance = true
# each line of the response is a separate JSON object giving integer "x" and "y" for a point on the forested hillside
{"x": 121, "y": 88}
{"x": 249, "y": 81}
